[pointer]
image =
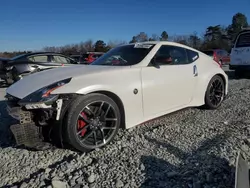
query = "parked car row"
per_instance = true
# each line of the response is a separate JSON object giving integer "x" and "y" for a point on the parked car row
{"x": 239, "y": 58}
{"x": 87, "y": 58}
{"x": 14, "y": 69}
{"x": 222, "y": 57}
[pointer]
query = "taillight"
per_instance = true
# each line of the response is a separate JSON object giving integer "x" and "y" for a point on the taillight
{"x": 214, "y": 55}
{"x": 217, "y": 61}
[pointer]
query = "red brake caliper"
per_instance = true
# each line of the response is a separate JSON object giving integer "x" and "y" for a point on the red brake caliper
{"x": 81, "y": 124}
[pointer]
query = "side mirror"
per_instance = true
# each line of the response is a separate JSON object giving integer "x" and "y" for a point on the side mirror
{"x": 154, "y": 63}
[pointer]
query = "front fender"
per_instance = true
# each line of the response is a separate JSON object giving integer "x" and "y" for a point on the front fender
{"x": 115, "y": 84}
{"x": 94, "y": 88}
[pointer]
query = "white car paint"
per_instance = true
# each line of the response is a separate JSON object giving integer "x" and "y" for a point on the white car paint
{"x": 240, "y": 55}
{"x": 162, "y": 90}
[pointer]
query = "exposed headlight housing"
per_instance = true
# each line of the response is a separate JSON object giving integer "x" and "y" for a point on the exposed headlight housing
{"x": 43, "y": 98}
{"x": 9, "y": 68}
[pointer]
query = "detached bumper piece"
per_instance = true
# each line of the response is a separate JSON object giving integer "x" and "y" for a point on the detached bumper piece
{"x": 242, "y": 172}
{"x": 26, "y": 133}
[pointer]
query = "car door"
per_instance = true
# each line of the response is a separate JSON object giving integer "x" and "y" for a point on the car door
{"x": 58, "y": 60}
{"x": 171, "y": 83}
{"x": 38, "y": 62}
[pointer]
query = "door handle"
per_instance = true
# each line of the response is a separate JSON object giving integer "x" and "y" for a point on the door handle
{"x": 195, "y": 72}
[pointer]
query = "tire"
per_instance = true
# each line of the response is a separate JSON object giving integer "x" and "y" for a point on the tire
{"x": 72, "y": 121}
{"x": 209, "y": 104}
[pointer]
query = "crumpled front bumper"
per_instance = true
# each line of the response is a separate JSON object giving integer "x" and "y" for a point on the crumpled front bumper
{"x": 25, "y": 132}
{"x": 242, "y": 172}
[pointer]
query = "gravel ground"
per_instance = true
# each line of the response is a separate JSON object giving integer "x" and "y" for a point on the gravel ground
{"x": 192, "y": 148}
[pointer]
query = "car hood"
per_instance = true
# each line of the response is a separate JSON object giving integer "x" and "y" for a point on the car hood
{"x": 33, "y": 82}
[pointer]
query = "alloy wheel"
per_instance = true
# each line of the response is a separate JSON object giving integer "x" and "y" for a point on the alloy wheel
{"x": 216, "y": 92}
{"x": 96, "y": 124}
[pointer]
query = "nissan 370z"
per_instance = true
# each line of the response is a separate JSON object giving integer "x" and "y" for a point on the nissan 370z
{"x": 125, "y": 87}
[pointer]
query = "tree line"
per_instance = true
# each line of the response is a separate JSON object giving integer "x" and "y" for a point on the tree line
{"x": 214, "y": 37}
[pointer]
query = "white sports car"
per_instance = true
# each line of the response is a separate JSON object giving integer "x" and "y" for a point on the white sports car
{"x": 93, "y": 101}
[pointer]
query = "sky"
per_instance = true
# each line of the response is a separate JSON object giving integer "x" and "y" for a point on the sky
{"x": 34, "y": 24}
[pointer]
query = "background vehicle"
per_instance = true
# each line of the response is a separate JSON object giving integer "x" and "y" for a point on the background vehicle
{"x": 220, "y": 56}
{"x": 240, "y": 53}
{"x": 87, "y": 58}
{"x": 22, "y": 65}
{"x": 92, "y": 102}
{"x": 3, "y": 70}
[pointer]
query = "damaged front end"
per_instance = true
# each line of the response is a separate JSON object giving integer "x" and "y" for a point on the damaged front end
{"x": 36, "y": 112}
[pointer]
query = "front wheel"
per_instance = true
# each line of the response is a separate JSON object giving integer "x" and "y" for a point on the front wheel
{"x": 215, "y": 93}
{"x": 92, "y": 122}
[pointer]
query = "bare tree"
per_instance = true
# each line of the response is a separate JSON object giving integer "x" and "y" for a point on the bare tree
{"x": 182, "y": 39}
{"x": 154, "y": 37}
{"x": 141, "y": 37}
{"x": 89, "y": 45}
{"x": 81, "y": 48}
{"x": 114, "y": 43}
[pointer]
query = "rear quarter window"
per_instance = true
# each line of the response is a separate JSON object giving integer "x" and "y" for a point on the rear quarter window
{"x": 243, "y": 40}
{"x": 192, "y": 56}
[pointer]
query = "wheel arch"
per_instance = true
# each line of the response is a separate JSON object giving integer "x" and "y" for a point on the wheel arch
{"x": 199, "y": 94}
{"x": 224, "y": 80}
{"x": 118, "y": 101}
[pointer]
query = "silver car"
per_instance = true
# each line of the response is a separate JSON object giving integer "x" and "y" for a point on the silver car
{"x": 12, "y": 70}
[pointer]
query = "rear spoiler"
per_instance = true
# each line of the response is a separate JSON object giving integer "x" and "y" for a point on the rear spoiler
{"x": 242, "y": 173}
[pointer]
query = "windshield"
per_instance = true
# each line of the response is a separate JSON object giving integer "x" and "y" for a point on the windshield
{"x": 243, "y": 40}
{"x": 18, "y": 56}
{"x": 124, "y": 55}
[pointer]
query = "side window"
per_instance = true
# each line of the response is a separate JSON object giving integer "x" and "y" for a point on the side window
{"x": 171, "y": 55}
{"x": 192, "y": 56}
{"x": 59, "y": 59}
{"x": 40, "y": 58}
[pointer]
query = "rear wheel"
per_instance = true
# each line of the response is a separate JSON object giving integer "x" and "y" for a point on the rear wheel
{"x": 215, "y": 93}
{"x": 92, "y": 122}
